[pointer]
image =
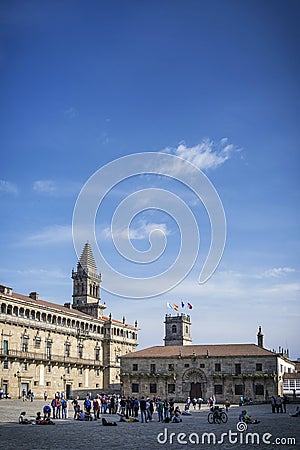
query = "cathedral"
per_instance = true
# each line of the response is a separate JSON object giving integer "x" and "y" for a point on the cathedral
{"x": 73, "y": 348}
{"x": 179, "y": 369}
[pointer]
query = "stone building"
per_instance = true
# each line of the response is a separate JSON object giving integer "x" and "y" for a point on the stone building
{"x": 48, "y": 347}
{"x": 178, "y": 371}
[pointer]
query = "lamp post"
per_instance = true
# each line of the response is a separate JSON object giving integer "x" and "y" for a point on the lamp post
{"x": 18, "y": 376}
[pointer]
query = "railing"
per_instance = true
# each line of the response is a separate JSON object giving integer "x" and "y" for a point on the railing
{"x": 51, "y": 358}
{"x": 62, "y": 327}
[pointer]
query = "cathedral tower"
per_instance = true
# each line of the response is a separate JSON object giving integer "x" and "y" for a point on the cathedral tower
{"x": 86, "y": 285}
{"x": 178, "y": 330}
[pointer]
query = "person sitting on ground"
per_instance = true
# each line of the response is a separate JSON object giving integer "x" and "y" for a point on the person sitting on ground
{"x": 176, "y": 418}
{"x": 81, "y": 415}
{"x": 105, "y": 423}
{"x": 244, "y": 417}
{"x": 296, "y": 413}
{"x": 22, "y": 419}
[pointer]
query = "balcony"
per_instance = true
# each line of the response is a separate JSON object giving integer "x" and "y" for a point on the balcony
{"x": 34, "y": 356}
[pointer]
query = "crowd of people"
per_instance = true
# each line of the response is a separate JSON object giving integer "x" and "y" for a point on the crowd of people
{"x": 129, "y": 409}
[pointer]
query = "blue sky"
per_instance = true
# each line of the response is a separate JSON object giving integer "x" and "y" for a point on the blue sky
{"x": 85, "y": 83}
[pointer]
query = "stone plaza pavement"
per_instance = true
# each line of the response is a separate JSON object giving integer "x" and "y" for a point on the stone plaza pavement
{"x": 272, "y": 432}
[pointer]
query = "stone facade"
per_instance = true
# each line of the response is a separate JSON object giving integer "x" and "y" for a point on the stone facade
{"x": 49, "y": 347}
{"x": 226, "y": 371}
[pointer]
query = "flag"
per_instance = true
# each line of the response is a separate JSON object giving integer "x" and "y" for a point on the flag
{"x": 190, "y": 306}
{"x": 169, "y": 306}
{"x": 182, "y": 305}
{"x": 175, "y": 307}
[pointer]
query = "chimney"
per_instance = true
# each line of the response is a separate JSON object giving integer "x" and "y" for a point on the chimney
{"x": 34, "y": 295}
{"x": 260, "y": 338}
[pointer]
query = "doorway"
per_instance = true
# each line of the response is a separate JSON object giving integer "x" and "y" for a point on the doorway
{"x": 196, "y": 390}
{"x": 68, "y": 391}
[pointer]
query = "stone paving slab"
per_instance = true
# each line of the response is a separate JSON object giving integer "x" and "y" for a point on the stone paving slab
{"x": 70, "y": 434}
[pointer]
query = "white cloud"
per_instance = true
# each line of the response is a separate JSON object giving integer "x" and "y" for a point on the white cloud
{"x": 56, "y": 188}
{"x": 206, "y": 155}
{"x": 8, "y": 188}
{"x": 276, "y": 272}
{"x": 45, "y": 186}
{"x": 142, "y": 231}
{"x": 55, "y": 234}
{"x": 71, "y": 112}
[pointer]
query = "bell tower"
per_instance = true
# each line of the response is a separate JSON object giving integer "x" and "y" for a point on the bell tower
{"x": 178, "y": 330}
{"x": 86, "y": 285}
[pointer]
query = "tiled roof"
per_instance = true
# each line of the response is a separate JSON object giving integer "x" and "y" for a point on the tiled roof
{"x": 200, "y": 350}
{"x": 62, "y": 309}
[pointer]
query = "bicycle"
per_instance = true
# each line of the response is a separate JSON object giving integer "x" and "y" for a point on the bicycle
{"x": 217, "y": 415}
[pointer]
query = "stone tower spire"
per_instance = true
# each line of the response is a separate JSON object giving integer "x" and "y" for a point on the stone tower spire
{"x": 86, "y": 284}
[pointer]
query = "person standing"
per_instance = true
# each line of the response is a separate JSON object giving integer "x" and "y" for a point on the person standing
{"x": 278, "y": 404}
{"x": 284, "y": 402}
{"x": 136, "y": 407}
{"x": 273, "y": 404}
{"x": 45, "y": 396}
{"x": 160, "y": 408}
{"x": 143, "y": 408}
{"x": 53, "y": 406}
{"x": 75, "y": 406}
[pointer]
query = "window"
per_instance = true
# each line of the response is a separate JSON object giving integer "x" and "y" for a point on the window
{"x": 79, "y": 384}
{"x": 171, "y": 367}
{"x": 259, "y": 389}
{"x": 202, "y": 366}
{"x": 186, "y": 365}
{"x": 48, "y": 349}
{"x": 239, "y": 389}
{"x": 97, "y": 385}
{"x": 80, "y": 351}
{"x": 97, "y": 354}
{"x": 25, "y": 344}
{"x": 5, "y": 347}
{"x": 218, "y": 389}
{"x": 174, "y": 329}
{"x": 217, "y": 367}
{"x": 49, "y": 368}
{"x": 258, "y": 367}
{"x": 238, "y": 369}
{"x": 37, "y": 342}
{"x": 68, "y": 348}
{"x": 135, "y": 387}
{"x": 153, "y": 388}
{"x": 187, "y": 329}
{"x": 97, "y": 373}
{"x": 153, "y": 368}
{"x": 80, "y": 371}
{"x": 135, "y": 367}
{"x": 48, "y": 383}
{"x": 68, "y": 370}
{"x": 5, "y": 364}
{"x": 25, "y": 366}
{"x": 171, "y": 388}
{"x": 35, "y": 383}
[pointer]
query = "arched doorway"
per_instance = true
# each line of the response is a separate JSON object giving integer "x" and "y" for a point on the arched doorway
{"x": 194, "y": 383}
